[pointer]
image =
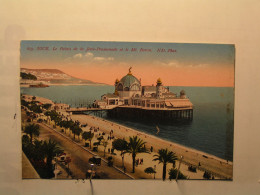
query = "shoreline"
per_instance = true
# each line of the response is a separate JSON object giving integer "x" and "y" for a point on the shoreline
{"x": 200, "y": 159}
{"x": 169, "y": 142}
{"x": 68, "y": 84}
{"x": 211, "y": 163}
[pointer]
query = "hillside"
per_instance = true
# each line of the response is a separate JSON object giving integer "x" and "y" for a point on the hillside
{"x": 55, "y": 76}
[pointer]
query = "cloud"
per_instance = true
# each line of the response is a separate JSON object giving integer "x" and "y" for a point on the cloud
{"x": 176, "y": 64}
{"x": 77, "y": 56}
{"x": 102, "y": 59}
{"x": 88, "y": 57}
{"x": 173, "y": 63}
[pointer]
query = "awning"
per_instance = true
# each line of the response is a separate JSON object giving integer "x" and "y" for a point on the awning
{"x": 179, "y": 104}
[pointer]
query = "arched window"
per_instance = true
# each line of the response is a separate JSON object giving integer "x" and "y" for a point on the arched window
{"x": 135, "y": 87}
{"x": 120, "y": 87}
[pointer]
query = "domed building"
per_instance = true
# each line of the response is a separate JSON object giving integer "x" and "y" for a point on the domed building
{"x": 129, "y": 86}
{"x": 132, "y": 99}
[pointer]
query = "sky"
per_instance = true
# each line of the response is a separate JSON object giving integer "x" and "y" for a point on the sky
{"x": 177, "y": 64}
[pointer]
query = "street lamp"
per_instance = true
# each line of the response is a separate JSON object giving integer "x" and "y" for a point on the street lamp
{"x": 154, "y": 168}
{"x": 179, "y": 168}
{"x": 92, "y": 168}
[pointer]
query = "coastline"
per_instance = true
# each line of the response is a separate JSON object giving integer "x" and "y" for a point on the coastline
{"x": 219, "y": 167}
{"x": 173, "y": 143}
{"x": 69, "y": 84}
{"x": 191, "y": 156}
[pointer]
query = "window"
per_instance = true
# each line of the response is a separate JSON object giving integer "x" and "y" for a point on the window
{"x": 135, "y": 87}
{"x": 120, "y": 87}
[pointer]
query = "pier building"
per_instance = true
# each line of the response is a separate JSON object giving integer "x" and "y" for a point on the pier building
{"x": 131, "y": 99}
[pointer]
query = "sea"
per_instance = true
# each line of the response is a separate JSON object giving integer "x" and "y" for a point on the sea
{"x": 211, "y": 129}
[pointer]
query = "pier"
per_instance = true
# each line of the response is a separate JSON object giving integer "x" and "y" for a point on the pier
{"x": 137, "y": 112}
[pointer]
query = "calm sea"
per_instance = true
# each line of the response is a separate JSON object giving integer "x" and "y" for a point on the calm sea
{"x": 210, "y": 131}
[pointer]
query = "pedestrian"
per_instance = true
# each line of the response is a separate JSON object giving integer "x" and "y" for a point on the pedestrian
{"x": 142, "y": 161}
{"x": 151, "y": 149}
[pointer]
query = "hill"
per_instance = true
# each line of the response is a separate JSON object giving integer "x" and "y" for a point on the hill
{"x": 55, "y": 76}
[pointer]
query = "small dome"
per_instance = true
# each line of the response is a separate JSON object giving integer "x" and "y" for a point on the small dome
{"x": 182, "y": 92}
{"x": 159, "y": 81}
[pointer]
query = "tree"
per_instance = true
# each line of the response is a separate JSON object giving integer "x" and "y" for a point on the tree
{"x": 32, "y": 130}
{"x": 78, "y": 131}
{"x": 173, "y": 174}
{"x": 47, "y": 106}
{"x": 135, "y": 146}
{"x": 120, "y": 145}
{"x": 38, "y": 150}
{"x": 164, "y": 156}
{"x": 104, "y": 143}
{"x": 73, "y": 129}
{"x": 206, "y": 175}
{"x": 150, "y": 170}
{"x": 66, "y": 124}
{"x": 88, "y": 135}
{"x": 51, "y": 149}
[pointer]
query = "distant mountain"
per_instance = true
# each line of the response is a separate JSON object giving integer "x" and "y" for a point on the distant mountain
{"x": 55, "y": 76}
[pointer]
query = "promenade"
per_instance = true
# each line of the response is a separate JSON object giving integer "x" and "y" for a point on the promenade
{"x": 219, "y": 168}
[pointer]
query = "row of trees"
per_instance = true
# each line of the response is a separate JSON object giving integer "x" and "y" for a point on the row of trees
{"x": 133, "y": 147}
{"x": 74, "y": 127}
{"x": 32, "y": 106}
{"x": 40, "y": 153}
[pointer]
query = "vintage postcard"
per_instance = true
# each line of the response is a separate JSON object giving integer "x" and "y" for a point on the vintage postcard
{"x": 127, "y": 110}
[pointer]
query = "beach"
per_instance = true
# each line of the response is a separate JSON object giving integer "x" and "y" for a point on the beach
{"x": 217, "y": 166}
{"x": 220, "y": 168}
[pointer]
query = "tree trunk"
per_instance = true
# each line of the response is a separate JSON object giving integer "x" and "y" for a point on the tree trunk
{"x": 123, "y": 163}
{"x": 164, "y": 171}
{"x": 89, "y": 144}
{"x": 133, "y": 157}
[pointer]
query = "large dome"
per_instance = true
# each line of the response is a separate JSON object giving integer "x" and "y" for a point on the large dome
{"x": 129, "y": 80}
{"x": 129, "y": 83}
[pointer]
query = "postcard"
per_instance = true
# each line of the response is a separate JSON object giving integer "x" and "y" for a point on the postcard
{"x": 127, "y": 110}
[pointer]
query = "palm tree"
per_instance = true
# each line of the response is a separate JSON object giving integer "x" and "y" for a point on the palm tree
{"x": 164, "y": 156}
{"x": 74, "y": 130}
{"x": 135, "y": 146}
{"x": 150, "y": 170}
{"x": 38, "y": 152}
{"x": 51, "y": 149}
{"x": 78, "y": 131}
{"x": 88, "y": 136}
{"x": 120, "y": 145}
{"x": 32, "y": 130}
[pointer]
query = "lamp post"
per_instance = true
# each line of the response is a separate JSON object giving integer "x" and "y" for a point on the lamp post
{"x": 154, "y": 168}
{"x": 179, "y": 169}
{"x": 92, "y": 169}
